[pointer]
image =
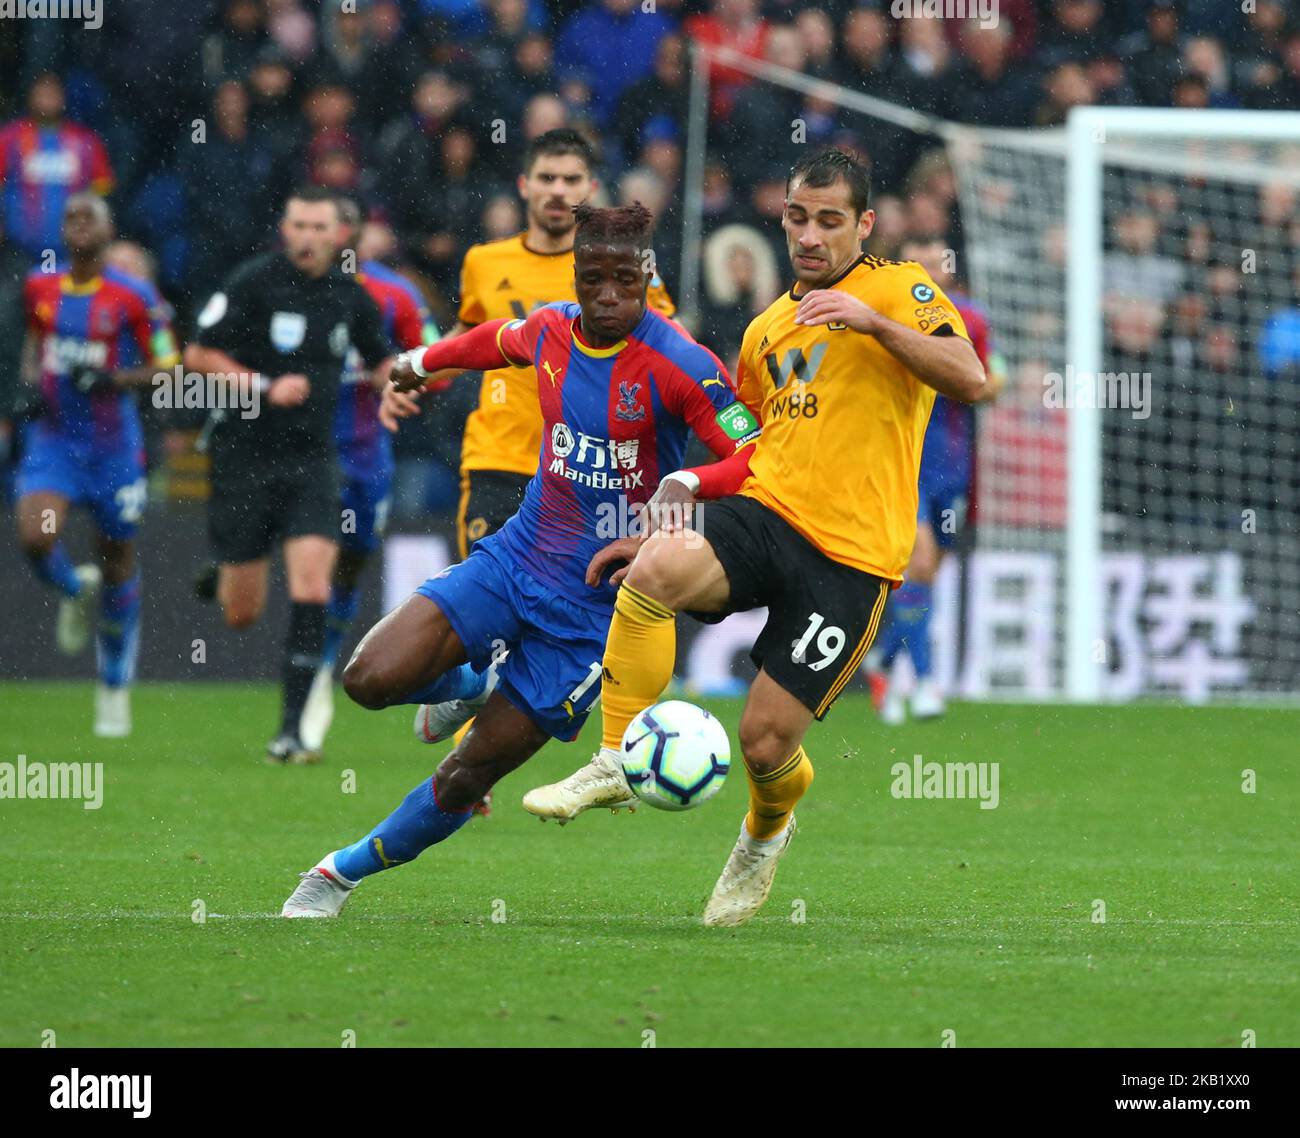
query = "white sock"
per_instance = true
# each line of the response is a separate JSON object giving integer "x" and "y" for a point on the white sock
{"x": 766, "y": 843}
{"x": 327, "y": 864}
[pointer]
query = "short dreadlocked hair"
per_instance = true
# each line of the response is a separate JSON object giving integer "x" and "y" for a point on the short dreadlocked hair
{"x": 619, "y": 225}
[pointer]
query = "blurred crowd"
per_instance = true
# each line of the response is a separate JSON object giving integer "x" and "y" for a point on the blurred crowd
{"x": 197, "y": 119}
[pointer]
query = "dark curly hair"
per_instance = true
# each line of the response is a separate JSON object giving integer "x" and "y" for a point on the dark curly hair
{"x": 620, "y": 225}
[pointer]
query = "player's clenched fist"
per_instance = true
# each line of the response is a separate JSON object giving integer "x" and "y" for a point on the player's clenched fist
{"x": 403, "y": 376}
{"x": 833, "y": 306}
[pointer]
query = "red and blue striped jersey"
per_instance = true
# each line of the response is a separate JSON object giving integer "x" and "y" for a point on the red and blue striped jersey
{"x": 614, "y": 421}
{"x": 114, "y": 321}
{"x": 40, "y": 168}
{"x": 949, "y": 452}
{"x": 407, "y": 322}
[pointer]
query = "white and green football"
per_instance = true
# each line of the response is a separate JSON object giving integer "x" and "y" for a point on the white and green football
{"x": 675, "y": 755}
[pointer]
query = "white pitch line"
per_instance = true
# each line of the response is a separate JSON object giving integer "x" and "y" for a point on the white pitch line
{"x": 874, "y": 924}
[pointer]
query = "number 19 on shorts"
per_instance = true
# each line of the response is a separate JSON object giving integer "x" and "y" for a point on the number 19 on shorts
{"x": 829, "y": 643}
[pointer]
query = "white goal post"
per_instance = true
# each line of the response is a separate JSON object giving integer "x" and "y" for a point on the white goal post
{"x": 1089, "y": 130}
{"x": 1138, "y": 487}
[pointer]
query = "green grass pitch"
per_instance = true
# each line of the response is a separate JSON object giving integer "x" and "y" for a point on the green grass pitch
{"x": 920, "y": 916}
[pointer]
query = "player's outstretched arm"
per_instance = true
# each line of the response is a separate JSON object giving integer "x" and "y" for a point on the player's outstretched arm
{"x": 480, "y": 349}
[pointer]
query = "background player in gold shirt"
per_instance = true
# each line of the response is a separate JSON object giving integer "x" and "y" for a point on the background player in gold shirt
{"x": 843, "y": 370}
{"x": 508, "y": 279}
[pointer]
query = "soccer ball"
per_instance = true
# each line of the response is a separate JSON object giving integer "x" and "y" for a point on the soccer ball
{"x": 675, "y": 755}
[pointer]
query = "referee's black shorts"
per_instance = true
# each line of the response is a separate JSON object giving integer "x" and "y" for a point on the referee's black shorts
{"x": 257, "y": 502}
{"x": 822, "y": 614}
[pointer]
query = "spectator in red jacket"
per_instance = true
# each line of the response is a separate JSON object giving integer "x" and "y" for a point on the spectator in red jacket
{"x": 735, "y": 24}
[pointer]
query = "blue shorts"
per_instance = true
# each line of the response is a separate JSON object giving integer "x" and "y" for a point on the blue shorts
{"x": 367, "y": 491}
{"x": 368, "y": 496}
{"x": 552, "y": 673}
{"x": 942, "y": 503}
{"x": 111, "y": 484}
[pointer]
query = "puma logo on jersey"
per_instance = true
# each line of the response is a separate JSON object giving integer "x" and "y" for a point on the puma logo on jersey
{"x": 716, "y": 381}
{"x": 552, "y": 373}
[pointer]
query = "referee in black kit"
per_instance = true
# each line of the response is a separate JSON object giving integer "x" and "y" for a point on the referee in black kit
{"x": 282, "y": 324}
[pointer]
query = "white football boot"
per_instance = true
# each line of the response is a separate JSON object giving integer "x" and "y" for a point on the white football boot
{"x": 435, "y": 722}
{"x": 318, "y": 711}
{"x": 600, "y": 783}
{"x": 112, "y": 712}
{"x": 893, "y": 710}
{"x": 322, "y": 892}
{"x": 73, "y": 627}
{"x": 927, "y": 700}
{"x": 747, "y": 878}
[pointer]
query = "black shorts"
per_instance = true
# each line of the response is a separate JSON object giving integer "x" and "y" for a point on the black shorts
{"x": 822, "y": 615}
{"x": 488, "y": 499}
{"x": 256, "y": 503}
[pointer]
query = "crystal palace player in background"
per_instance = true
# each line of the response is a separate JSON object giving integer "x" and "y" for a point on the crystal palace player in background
{"x": 93, "y": 334}
{"x": 947, "y": 469}
{"x": 282, "y": 326}
{"x": 844, "y": 368}
{"x": 365, "y": 454}
{"x": 622, "y": 387}
{"x": 44, "y": 160}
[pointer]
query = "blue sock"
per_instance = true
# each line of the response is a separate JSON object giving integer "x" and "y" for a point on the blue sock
{"x": 55, "y": 568}
{"x": 338, "y": 617}
{"x": 401, "y": 837}
{"x": 891, "y": 640}
{"x": 911, "y": 624}
{"x": 117, "y": 640}
{"x": 457, "y": 683}
{"x": 918, "y": 640}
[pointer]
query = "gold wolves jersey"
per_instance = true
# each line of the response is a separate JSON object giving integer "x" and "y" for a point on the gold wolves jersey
{"x": 507, "y": 279}
{"x": 843, "y": 419}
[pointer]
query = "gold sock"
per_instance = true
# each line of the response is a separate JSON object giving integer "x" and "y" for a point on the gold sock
{"x": 772, "y": 796}
{"x": 639, "y": 657}
{"x": 462, "y": 732}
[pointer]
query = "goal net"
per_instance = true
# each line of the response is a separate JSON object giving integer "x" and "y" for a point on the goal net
{"x": 1135, "y": 529}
